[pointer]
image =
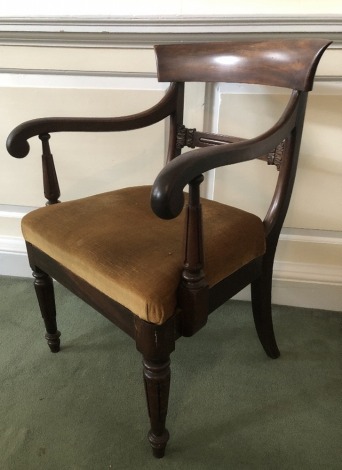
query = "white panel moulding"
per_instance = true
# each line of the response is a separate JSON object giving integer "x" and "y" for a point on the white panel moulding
{"x": 74, "y": 79}
{"x": 175, "y": 24}
{"x": 144, "y": 32}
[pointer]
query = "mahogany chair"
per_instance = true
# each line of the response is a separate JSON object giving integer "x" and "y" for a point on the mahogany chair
{"x": 161, "y": 282}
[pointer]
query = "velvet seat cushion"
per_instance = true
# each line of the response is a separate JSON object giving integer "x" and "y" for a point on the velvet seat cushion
{"x": 117, "y": 244}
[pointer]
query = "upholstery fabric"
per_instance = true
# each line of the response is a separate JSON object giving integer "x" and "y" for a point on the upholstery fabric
{"x": 117, "y": 244}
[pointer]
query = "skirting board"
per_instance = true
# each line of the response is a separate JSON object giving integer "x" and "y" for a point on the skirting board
{"x": 295, "y": 284}
{"x": 305, "y": 294}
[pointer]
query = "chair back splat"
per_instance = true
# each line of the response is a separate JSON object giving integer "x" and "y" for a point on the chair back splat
{"x": 160, "y": 282}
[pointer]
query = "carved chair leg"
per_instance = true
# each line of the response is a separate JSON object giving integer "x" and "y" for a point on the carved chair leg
{"x": 157, "y": 386}
{"x": 262, "y": 312}
{"x": 45, "y": 294}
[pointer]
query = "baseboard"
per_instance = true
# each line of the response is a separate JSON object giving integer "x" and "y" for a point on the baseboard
{"x": 295, "y": 284}
{"x": 303, "y": 293}
{"x": 13, "y": 257}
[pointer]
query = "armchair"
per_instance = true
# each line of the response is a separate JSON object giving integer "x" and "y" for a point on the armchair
{"x": 161, "y": 281}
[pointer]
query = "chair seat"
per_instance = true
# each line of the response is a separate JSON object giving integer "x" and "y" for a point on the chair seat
{"x": 117, "y": 244}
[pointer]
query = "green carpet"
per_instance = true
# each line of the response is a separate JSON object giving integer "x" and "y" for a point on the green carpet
{"x": 231, "y": 407}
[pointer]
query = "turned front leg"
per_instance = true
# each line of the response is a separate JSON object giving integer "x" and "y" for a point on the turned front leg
{"x": 45, "y": 294}
{"x": 157, "y": 386}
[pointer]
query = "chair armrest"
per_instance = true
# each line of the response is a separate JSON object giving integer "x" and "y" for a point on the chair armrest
{"x": 167, "y": 198}
{"x": 18, "y": 146}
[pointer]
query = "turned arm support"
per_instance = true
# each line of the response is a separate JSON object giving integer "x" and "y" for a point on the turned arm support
{"x": 50, "y": 180}
{"x": 18, "y": 146}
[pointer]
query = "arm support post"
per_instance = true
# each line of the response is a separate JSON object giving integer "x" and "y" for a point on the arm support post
{"x": 50, "y": 180}
{"x": 193, "y": 293}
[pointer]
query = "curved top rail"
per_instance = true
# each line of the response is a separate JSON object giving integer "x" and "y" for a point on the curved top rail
{"x": 289, "y": 63}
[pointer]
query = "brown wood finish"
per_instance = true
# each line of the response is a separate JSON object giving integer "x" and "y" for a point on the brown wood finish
{"x": 291, "y": 64}
{"x": 157, "y": 386}
{"x": 193, "y": 296}
{"x": 285, "y": 63}
{"x": 50, "y": 180}
{"x": 46, "y": 298}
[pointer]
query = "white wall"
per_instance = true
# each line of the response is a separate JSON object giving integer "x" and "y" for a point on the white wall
{"x": 33, "y": 8}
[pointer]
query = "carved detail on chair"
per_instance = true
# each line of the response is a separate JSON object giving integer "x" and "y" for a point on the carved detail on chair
{"x": 193, "y": 138}
{"x": 185, "y": 137}
{"x": 276, "y": 157}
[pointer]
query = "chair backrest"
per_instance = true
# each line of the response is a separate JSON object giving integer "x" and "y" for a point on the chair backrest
{"x": 289, "y": 63}
{"x": 285, "y": 63}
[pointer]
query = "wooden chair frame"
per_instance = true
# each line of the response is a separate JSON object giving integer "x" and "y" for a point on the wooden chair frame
{"x": 286, "y": 63}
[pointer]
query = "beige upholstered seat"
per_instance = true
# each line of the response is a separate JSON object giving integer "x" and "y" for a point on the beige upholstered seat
{"x": 139, "y": 262}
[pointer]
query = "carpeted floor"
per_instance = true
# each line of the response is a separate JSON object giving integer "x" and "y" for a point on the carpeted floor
{"x": 231, "y": 407}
